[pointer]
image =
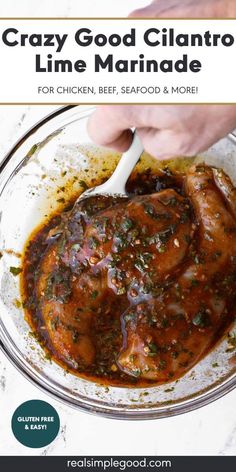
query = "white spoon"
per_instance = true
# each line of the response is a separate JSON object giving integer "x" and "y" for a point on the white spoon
{"x": 115, "y": 185}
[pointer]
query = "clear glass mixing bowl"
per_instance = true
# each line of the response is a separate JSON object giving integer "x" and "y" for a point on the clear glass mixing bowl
{"x": 55, "y": 150}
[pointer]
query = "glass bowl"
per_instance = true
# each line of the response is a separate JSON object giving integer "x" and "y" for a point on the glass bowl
{"x": 55, "y": 150}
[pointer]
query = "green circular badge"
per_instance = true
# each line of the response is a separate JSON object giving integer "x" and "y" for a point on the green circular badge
{"x": 35, "y": 423}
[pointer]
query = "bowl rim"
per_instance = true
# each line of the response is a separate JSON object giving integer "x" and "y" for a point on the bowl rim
{"x": 90, "y": 406}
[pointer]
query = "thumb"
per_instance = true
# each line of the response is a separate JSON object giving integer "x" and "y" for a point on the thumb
{"x": 109, "y": 126}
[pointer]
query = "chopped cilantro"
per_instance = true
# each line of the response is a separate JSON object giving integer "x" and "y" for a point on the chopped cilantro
{"x": 201, "y": 319}
{"x": 15, "y": 270}
{"x": 83, "y": 185}
{"x": 94, "y": 294}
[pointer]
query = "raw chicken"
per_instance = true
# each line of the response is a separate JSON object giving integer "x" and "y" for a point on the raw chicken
{"x": 145, "y": 285}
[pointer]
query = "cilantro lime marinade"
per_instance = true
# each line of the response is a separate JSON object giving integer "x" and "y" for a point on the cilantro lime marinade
{"x": 122, "y": 291}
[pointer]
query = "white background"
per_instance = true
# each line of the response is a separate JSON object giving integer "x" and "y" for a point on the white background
{"x": 215, "y": 81}
{"x": 208, "y": 431}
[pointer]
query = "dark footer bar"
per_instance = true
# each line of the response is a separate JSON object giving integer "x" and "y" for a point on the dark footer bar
{"x": 118, "y": 463}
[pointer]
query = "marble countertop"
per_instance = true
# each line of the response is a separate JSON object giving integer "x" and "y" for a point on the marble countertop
{"x": 208, "y": 431}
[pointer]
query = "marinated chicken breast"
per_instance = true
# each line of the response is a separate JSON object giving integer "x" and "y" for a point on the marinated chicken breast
{"x": 191, "y": 312}
{"x": 141, "y": 287}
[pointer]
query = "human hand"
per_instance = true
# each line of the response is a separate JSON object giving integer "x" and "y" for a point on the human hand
{"x": 187, "y": 9}
{"x": 165, "y": 130}
{"x": 168, "y": 131}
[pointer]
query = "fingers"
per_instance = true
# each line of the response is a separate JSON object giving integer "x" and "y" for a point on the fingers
{"x": 165, "y": 130}
{"x": 110, "y": 126}
{"x": 158, "y": 127}
{"x": 165, "y": 144}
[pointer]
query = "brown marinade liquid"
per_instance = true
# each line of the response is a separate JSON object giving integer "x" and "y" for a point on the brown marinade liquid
{"x": 116, "y": 289}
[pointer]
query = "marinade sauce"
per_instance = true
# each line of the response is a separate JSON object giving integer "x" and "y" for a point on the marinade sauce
{"x": 134, "y": 291}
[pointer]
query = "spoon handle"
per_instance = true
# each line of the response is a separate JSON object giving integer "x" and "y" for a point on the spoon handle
{"x": 125, "y": 166}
